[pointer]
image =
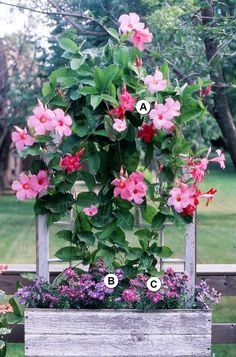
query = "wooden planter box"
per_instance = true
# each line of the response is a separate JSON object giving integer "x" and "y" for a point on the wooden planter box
{"x": 92, "y": 333}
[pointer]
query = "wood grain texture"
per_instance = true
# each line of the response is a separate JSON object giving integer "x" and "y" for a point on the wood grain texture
{"x": 90, "y": 333}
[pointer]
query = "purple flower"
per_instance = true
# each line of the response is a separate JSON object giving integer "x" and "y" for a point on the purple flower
{"x": 130, "y": 295}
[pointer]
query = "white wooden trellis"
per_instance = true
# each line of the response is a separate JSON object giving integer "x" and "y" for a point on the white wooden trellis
{"x": 189, "y": 259}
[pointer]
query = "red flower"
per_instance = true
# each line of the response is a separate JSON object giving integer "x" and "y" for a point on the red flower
{"x": 207, "y": 90}
{"x": 118, "y": 112}
{"x": 146, "y": 132}
{"x": 138, "y": 61}
{"x": 71, "y": 163}
{"x": 189, "y": 210}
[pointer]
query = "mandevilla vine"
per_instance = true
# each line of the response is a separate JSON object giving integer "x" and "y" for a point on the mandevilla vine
{"x": 87, "y": 128}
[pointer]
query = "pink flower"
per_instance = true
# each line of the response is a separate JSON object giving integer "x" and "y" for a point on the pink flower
{"x": 208, "y": 195}
{"x": 220, "y": 159}
{"x": 72, "y": 163}
{"x": 3, "y": 268}
{"x": 137, "y": 191}
{"x": 128, "y": 22}
{"x": 21, "y": 138}
{"x": 156, "y": 83}
{"x": 43, "y": 181}
{"x": 119, "y": 125}
{"x": 90, "y": 211}
{"x": 140, "y": 37}
{"x": 26, "y": 187}
{"x": 118, "y": 112}
{"x": 62, "y": 123}
{"x": 162, "y": 119}
{"x": 121, "y": 188}
{"x": 130, "y": 295}
{"x": 172, "y": 106}
{"x": 42, "y": 120}
{"x": 126, "y": 100}
{"x": 5, "y": 308}
{"x": 181, "y": 197}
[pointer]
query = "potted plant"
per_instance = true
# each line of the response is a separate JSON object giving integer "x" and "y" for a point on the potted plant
{"x": 92, "y": 127}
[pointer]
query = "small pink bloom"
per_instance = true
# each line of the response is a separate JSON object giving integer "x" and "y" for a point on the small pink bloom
{"x": 90, "y": 211}
{"x": 220, "y": 159}
{"x": 5, "y": 308}
{"x": 128, "y": 22}
{"x": 130, "y": 295}
{"x": 42, "y": 120}
{"x": 181, "y": 197}
{"x": 121, "y": 188}
{"x": 127, "y": 101}
{"x": 172, "y": 106}
{"x": 21, "y": 138}
{"x": 43, "y": 181}
{"x": 140, "y": 37}
{"x": 72, "y": 163}
{"x": 162, "y": 119}
{"x": 26, "y": 187}
{"x": 156, "y": 83}
{"x": 119, "y": 125}
{"x": 137, "y": 191}
{"x": 62, "y": 123}
{"x": 3, "y": 268}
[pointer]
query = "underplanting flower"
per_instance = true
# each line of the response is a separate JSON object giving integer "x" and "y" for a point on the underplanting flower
{"x": 90, "y": 211}
{"x": 21, "y": 138}
{"x": 156, "y": 83}
{"x": 72, "y": 163}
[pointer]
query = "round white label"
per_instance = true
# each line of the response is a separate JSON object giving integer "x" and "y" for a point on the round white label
{"x": 143, "y": 107}
{"x": 153, "y": 284}
{"x": 111, "y": 281}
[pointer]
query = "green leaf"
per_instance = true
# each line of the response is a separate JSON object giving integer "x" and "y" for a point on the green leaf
{"x": 113, "y": 33}
{"x": 33, "y": 151}
{"x": 46, "y": 90}
{"x": 93, "y": 159}
{"x": 86, "y": 199}
{"x": 95, "y": 100}
{"x": 107, "y": 255}
{"x": 118, "y": 237}
{"x": 88, "y": 90}
{"x": 144, "y": 236}
{"x": 65, "y": 234}
{"x": 68, "y": 45}
{"x": 134, "y": 253}
{"x": 148, "y": 155}
{"x": 103, "y": 77}
{"x": 59, "y": 202}
{"x": 123, "y": 204}
{"x": 107, "y": 231}
{"x": 163, "y": 252}
{"x": 88, "y": 179}
{"x": 76, "y": 63}
{"x": 86, "y": 237}
{"x": 158, "y": 221}
{"x": 125, "y": 220}
{"x": 68, "y": 253}
{"x": 122, "y": 56}
{"x": 16, "y": 308}
{"x": 148, "y": 212}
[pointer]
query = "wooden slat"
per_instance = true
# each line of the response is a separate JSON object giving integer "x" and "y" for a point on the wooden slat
{"x": 42, "y": 247}
{"x": 140, "y": 345}
{"x": 221, "y": 333}
{"x": 159, "y": 322}
{"x": 224, "y": 333}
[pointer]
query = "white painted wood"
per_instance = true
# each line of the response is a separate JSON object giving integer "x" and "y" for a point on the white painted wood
{"x": 42, "y": 247}
{"x": 190, "y": 259}
{"x": 90, "y": 333}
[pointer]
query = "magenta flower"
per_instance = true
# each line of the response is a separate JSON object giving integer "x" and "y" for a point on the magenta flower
{"x": 181, "y": 197}
{"x": 72, "y": 163}
{"x": 43, "y": 181}
{"x": 42, "y": 120}
{"x": 121, "y": 187}
{"x": 220, "y": 159}
{"x": 128, "y": 22}
{"x": 62, "y": 123}
{"x": 119, "y": 125}
{"x": 156, "y": 83}
{"x": 132, "y": 188}
{"x": 141, "y": 36}
{"x": 26, "y": 187}
{"x": 21, "y": 138}
{"x": 90, "y": 211}
{"x": 126, "y": 100}
{"x": 130, "y": 295}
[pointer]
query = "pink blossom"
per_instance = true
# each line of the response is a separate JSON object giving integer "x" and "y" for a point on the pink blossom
{"x": 42, "y": 120}
{"x": 21, "y": 138}
{"x": 220, "y": 159}
{"x": 181, "y": 197}
{"x": 128, "y": 22}
{"x": 119, "y": 125}
{"x": 72, "y": 163}
{"x": 121, "y": 187}
{"x": 172, "y": 106}
{"x": 162, "y": 118}
{"x": 43, "y": 181}
{"x": 156, "y": 83}
{"x": 62, "y": 123}
{"x": 127, "y": 101}
{"x": 140, "y": 37}
{"x": 3, "y": 268}
{"x": 137, "y": 191}
{"x": 5, "y": 308}
{"x": 26, "y": 187}
{"x": 90, "y": 211}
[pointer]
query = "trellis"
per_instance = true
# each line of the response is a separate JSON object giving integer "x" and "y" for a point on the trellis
{"x": 189, "y": 259}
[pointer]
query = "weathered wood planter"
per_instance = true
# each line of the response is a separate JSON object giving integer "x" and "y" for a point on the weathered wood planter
{"x": 91, "y": 333}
